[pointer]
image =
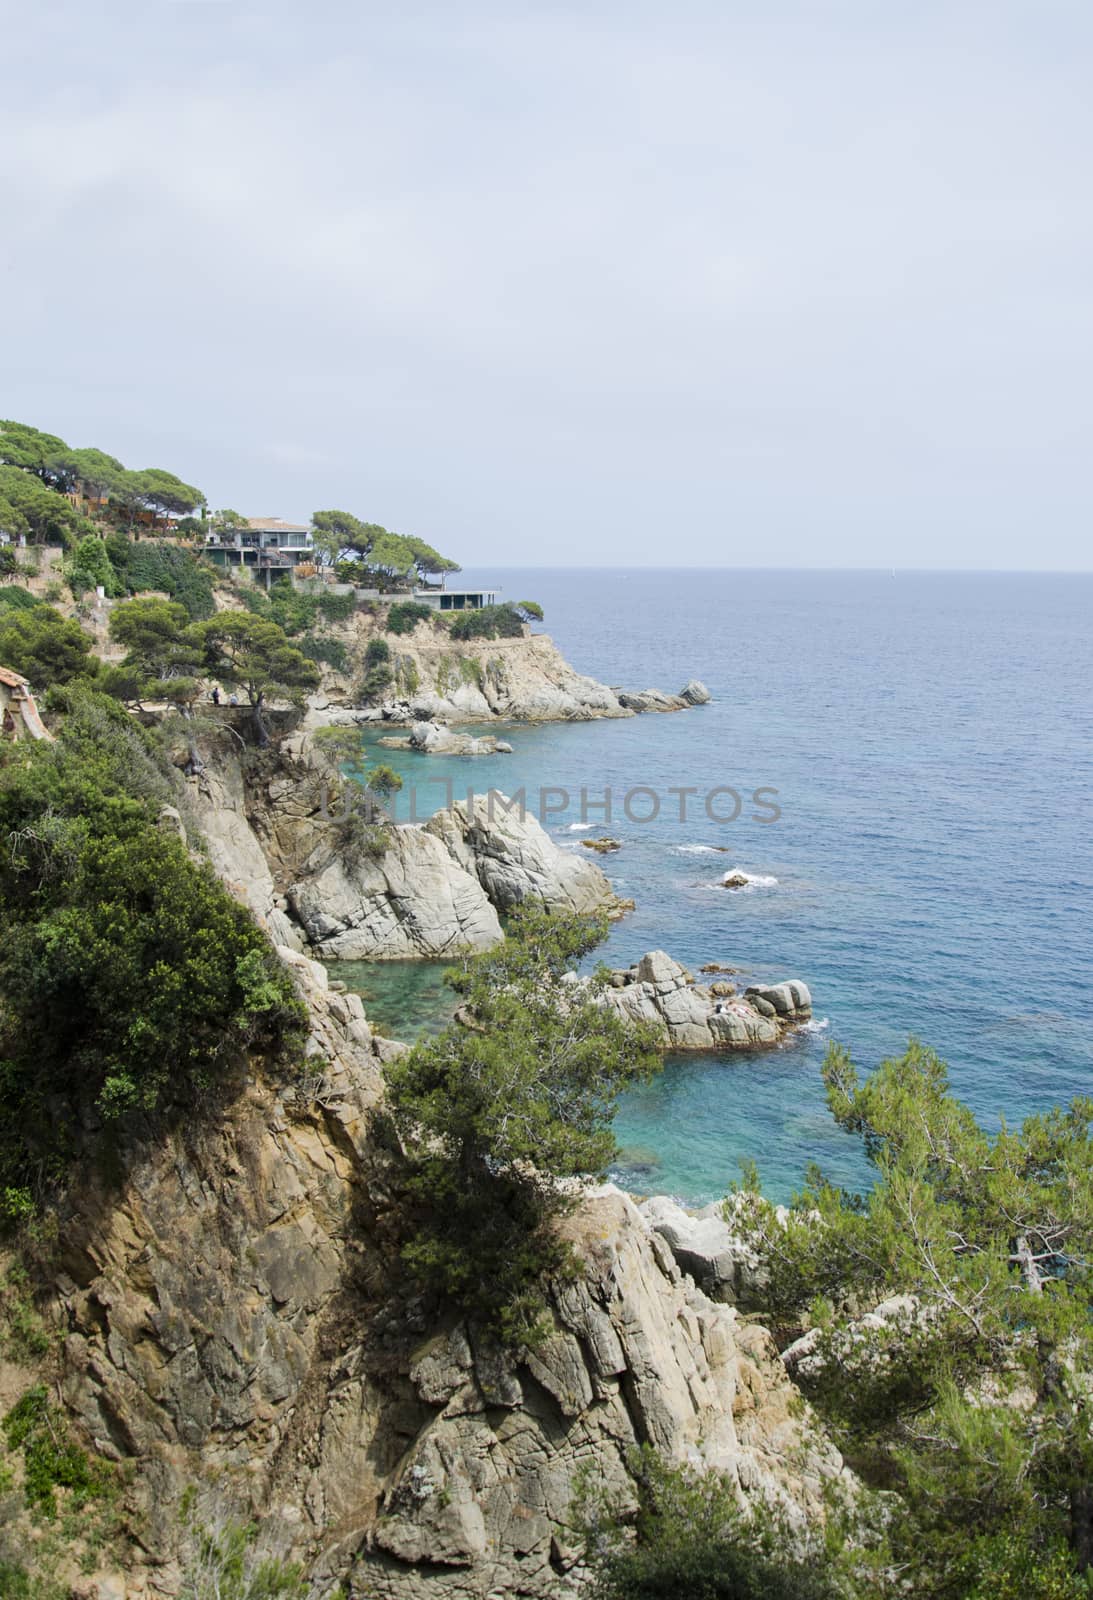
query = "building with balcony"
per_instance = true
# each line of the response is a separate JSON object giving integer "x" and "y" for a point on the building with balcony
{"x": 444, "y": 599}
{"x": 268, "y": 548}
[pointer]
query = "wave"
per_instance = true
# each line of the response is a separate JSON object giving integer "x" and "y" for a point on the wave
{"x": 577, "y": 827}
{"x": 699, "y": 849}
{"x": 815, "y": 1025}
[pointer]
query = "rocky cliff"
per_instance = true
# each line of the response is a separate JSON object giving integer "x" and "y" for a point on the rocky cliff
{"x": 283, "y": 840}
{"x": 236, "y": 1323}
{"x": 435, "y": 677}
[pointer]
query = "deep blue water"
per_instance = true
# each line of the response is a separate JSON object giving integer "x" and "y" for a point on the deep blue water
{"x": 929, "y": 737}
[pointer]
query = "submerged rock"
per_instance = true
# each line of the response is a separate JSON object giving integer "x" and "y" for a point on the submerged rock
{"x": 602, "y": 847}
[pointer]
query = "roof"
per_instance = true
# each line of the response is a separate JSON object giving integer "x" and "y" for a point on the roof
{"x": 12, "y": 679}
{"x": 275, "y": 525}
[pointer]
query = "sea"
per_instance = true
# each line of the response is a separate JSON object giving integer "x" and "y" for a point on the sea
{"x": 920, "y": 852}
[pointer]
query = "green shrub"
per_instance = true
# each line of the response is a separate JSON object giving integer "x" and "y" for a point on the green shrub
{"x": 490, "y": 622}
{"x": 337, "y": 607}
{"x": 690, "y": 1539}
{"x": 45, "y": 647}
{"x": 91, "y": 567}
{"x": 18, "y": 600}
{"x": 529, "y": 609}
{"x": 331, "y": 652}
{"x": 226, "y": 1562}
{"x": 128, "y": 973}
{"x": 404, "y": 616}
{"x": 51, "y": 1459}
{"x": 146, "y": 564}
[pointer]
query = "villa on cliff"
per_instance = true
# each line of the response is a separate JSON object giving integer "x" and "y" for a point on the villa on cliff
{"x": 268, "y": 548}
{"x": 18, "y": 712}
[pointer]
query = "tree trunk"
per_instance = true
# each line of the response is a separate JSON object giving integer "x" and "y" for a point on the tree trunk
{"x": 260, "y": 729}
{"x": 1081, "y": 1525}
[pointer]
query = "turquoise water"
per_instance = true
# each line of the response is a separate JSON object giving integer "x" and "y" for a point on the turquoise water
{"x": 929, "y": 737}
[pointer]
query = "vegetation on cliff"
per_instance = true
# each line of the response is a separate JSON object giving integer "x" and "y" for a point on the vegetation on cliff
{"x": 494, "y": 1114}
{"x": 127, "y": 972}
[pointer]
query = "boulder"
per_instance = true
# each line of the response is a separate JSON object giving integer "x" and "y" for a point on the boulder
{"x": 702, "y": 1242}
{"x": 791, "y": 1001}
{"x": 435, "y": 738}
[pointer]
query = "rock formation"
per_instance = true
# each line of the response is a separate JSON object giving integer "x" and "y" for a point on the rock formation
{"x": 234, "y": 1319}
{"x": 693, "y": 1016}
{"x": 515, "y": 860}
{"x": 436, "y": 678}
{"x": 642, "y": 700}
{"x": 436, "y": 738}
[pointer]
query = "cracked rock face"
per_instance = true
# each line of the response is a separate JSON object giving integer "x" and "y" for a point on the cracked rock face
{"x": 516, "y": 861}
{"x": 414, "y": 900}
{"x": 222, "y": 1327}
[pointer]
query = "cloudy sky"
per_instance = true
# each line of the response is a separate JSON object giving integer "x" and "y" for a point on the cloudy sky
{"x": 712, "y": 283}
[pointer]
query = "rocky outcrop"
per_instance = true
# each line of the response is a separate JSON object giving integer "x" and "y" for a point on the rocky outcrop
{"x": 406, "y": 891}
{"x": 643, "y": 700}
{"x": 693, "y": 1016}
{"x": 437, "y": 678}
{"x": 516, "y": 861}
{"x": 720, "y": 1258}
{"x": 411, "y": 900}
{"x": 233, "y": 1321}
{"x": 218, "y": 808}
{"x": 435, "y": 738}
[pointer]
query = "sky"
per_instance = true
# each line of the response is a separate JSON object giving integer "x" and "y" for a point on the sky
{"x": 726, "y": 284}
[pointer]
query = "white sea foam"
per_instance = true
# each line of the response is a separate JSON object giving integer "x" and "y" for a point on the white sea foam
{"x": 698, "y": 850}
{"x": 756, "y": 880}
{"x": 815, "y": 1025}
{"x": 578, "y": 827}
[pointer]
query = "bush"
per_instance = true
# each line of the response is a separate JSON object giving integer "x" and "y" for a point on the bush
{"x": 17, "y": 600}
{"x": 152, "y": 564}
{"x": 337, "y": 607}
{"x": 127, "y": 973}
{"x": 331, "y": 652}
{"x": 45, "y": 647}
{"x": 404, "y": 616}
{"x": 51, "y": 1459}
{"x": 92, "y": 568}
{"x": 491, "y": 622}
{"x": 690, "y": 1539}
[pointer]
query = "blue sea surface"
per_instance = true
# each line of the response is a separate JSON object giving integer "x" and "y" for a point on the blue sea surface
{"x": 930, "y": 739}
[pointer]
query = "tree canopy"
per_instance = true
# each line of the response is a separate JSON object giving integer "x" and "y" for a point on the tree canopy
{"x": 386, "y": 558}
{"x": 969, "y": 1394}
{"x": 155, "y": 634}
{"x": 45, "y": 647}
{"x": 493, "y": 1114}
{"x": 252, "y": 653}
{"x": 58, "y": 468}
